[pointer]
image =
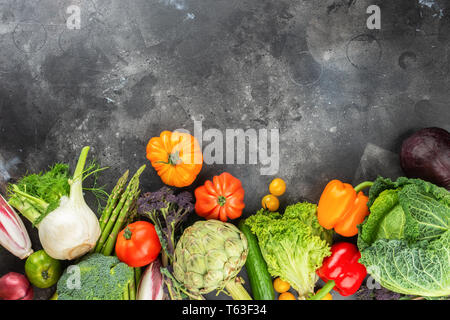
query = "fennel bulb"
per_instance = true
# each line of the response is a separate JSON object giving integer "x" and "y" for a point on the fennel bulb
{"x": 68, "y": 228}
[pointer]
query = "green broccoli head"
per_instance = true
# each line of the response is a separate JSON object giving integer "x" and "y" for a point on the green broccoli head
{"x": 96, "y": 277}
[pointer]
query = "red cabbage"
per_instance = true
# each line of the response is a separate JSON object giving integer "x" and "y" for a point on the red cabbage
{"x": 426, "y": 155}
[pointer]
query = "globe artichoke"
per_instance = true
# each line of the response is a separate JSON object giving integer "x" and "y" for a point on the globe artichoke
{"x": 209, "y": 255}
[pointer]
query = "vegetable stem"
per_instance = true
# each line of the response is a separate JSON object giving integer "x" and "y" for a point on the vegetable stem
{"x": 127, "y": 200}
{"x": 164, "y": 259}
{"x": 222, "y": 200}
{"x": 363, "y": 185}
{"x": 34, "y": 201}
{"x": 111, "y": 238}
{"x": 26, "y": 209}
{"x": 324, "y": 291}
{"x": 128, "y": 234}
{"x": 114, "y": 215}
{"x": 78, "y": 174}
{"x": 76, "y": 189}
{"x": 113, "y": 199}
{"x": 126, "y": 293}
{"x": 132, "y": 288}
{"x": 112, "y": 221}
{"x": 237, "y": 291}
{"x": 137, "y": 275}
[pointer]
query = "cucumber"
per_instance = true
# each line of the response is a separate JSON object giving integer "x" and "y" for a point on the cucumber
{"x": 259, "y": 276}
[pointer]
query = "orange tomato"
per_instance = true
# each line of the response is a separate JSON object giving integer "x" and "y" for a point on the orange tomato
{"x": 176, "y": 157}
{"x": 277, "y": 187}
{"x": 328, "y": 297}
{"x": 281, "y": 286}
{"x": 286, "y": 296}
{"x": 222, "y": 198}
{"x": 270, "y": 202}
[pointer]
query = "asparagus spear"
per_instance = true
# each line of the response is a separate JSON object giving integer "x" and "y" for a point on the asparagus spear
{"x": 132, "y": 288}
{"x": 126, "y": 293}
{"x": 137, "y": 274}
{"x": 113, "y": 199}
{"x": 111, "y": 239}
{"x": 132, "y": 193}
{"x": 112, "y": 220}
{"x": 132, "y": 215}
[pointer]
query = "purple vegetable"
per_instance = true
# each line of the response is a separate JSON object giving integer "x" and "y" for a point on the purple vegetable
{"x": 13, "y": 235}
{"x": 167, "y": 212}
{"x": 151, "y": 286}
{"x": 426, "y": 155}
{"x": 15, "y": 286}
{"x": 376, "y": 294}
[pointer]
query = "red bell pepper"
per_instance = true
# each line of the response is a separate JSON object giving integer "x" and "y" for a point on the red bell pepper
{"x": 341, "y": 270}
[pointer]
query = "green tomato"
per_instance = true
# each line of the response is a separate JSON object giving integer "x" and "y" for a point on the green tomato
{"x": 42, "y": 270}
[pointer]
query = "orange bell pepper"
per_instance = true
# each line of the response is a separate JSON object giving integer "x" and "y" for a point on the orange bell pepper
{"x": 343, "y": 207}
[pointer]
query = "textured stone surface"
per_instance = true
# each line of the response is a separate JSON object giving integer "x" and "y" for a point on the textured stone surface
{"x": 312, "y": 69}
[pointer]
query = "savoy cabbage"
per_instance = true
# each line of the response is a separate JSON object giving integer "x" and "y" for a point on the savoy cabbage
{"x": 405, "y": 241}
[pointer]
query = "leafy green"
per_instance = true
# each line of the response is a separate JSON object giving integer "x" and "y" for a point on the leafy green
{"x": 49, "y": 186}
{"x": 36, "y": 195}
{"x": 306, "y": 213}
{"x": 101, "y": 278}
{"x": 293, "y": 245}
{"x": 405, "y": 241}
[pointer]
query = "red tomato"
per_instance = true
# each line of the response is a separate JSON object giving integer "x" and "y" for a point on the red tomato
{"x": 223, "y": 198}
{"x": 138, "y": 244}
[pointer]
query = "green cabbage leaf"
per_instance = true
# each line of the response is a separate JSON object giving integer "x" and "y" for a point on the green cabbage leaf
{"x": 405, "y": 241}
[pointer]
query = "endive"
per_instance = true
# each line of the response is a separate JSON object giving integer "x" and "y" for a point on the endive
{"x": 54, "y": 203}
{"x": 13, "y": 235}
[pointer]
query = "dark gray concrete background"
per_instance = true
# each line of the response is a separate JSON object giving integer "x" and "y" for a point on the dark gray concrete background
{"x": 342, "y": 96}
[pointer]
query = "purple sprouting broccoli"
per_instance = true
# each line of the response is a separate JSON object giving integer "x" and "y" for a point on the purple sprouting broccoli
{"x": 377, "y": 294}
{"x": 167, "y": 211}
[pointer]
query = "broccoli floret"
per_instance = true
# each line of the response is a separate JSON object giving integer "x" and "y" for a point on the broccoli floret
{"x": 96, "y": 277}
{"x": 167, "y": 212}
